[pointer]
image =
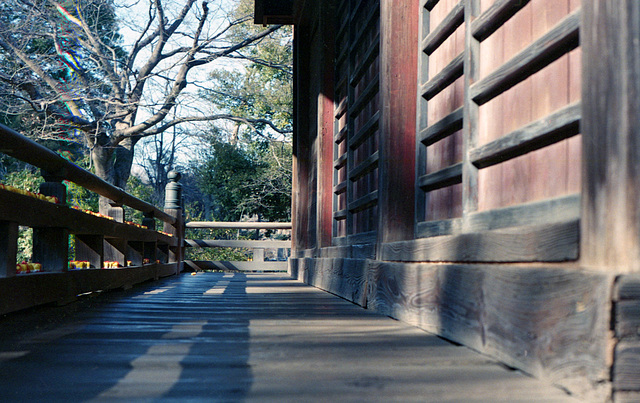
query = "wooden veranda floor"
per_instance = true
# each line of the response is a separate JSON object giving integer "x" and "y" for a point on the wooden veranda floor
{"x": 240, "y": 337}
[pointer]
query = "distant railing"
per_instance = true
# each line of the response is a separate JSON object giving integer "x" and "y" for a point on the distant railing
{"x": 258, "y": 247}
{"x": 101, "y": 241}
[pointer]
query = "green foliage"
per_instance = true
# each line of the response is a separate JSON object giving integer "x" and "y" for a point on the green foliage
{"x": 247, "y": 181}
{"x": 142, "y": 191}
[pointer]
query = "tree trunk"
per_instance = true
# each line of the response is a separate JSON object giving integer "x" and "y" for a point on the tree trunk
{"x": 113, "y": 164}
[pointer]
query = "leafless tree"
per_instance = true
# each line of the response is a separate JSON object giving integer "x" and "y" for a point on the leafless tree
{"x": 111, "y": 72}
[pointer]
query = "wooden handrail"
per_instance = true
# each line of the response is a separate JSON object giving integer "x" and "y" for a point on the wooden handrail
{"x": 238, "y": 225}
{"x": 18, "y": 146}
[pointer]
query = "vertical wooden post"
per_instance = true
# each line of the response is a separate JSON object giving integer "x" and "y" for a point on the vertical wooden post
{"x": 51, "y": 245}
{"x": 610, "y": 224}
{"x": 150, "y": 248}
{"x": 115, "y": 249}
{"x": 173, "y": 207}
{"x": 398, "y": 86}
{"x": 8, "y": 248}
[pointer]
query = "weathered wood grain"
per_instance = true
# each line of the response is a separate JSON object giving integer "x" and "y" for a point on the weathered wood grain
{"x": 26, "y": 291}
{"x": 563, "y": 38}
{"x": 443, "y": 128}
{"x": 627, "y": 320}
{"x": 445, "y": 177}
{"x": 364, "y": 202}
{"x": 505, "y": 312}
{"x": 493, "y": 18}
{"x": 565, "y": 208}
{"x": 366, "y": 166}
{"x": 443, "y": 78}
{"x": 257, "y": 266}
{"x": 628, "y": 287}
{"x": 8, "y": 248}
{"x": 552, "y": 242}
{"x": 223, "y": 243}
{"x": 611, "y": 173}
{"x": 626, "y": 369}
{"x": 541, "y": 133}
{"x": 448, "y": 26}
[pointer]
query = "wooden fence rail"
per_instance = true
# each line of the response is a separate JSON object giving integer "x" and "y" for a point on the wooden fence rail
{"x": 134, "y": 252}
{"x": 258, "y": 247}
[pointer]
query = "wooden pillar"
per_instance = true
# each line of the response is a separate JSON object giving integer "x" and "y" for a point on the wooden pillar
{"x": 8, "y": 248}
{"x": 150, "y": 248}
{"x": 51, "y": 245}
{"x": 398, "y": 86}
{"x": 610, "y": 224}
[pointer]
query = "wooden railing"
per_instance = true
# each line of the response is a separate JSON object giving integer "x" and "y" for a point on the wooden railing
{"x": 257, "y": 262}
{"x": 135, "y": 252}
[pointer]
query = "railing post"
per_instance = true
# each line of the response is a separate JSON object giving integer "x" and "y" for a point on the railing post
{"x": 8, "y": 248}
{"x": 150, "y": 248}
{"x": 173, "y": 207}
{"x": 115, "y": 249}
{"x": 51, "y": 245}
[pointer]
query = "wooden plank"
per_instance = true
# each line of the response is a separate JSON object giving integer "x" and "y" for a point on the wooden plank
{"x": 442, "y": 178}
{"x": 241, "y": 266}
{"x": 444, "y": 78}
{"x": 90, "y": 248}
{"x": 627, "y": 319}
{"x": 8, "y": 248}
{"x": 494, "y": 17}
{"x": 541, "y": 133}
{"x": 563, "y": 38}
{"x": 342, "y": 277}
{"x": 27, "y": 150}
{"x": 430, "y": 4}
{"x": 626, "y": 369}
{"x": 364, "y": 202}
{"x": 224, "y": 243}
{"x": 27, "y": 291}
{"x": 628, "y": 287}
{"x": 367, "y": 94}
{"x": 365, "y": 131}
{"x": 445, "y": 29}
{"x": 439, "y": 227}
{"x": 610, "y": 90}
{"x": 545, "y": 243}
{"x": 442, "y": 128}
{"x": 565, "y": 208}
{"x": 366, "y": 166}
{"x": 238, "y": 225}
{"x": 503, "y": 311}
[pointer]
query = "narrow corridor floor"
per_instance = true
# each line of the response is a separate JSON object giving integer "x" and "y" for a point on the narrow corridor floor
{"x": 236, "y": 337}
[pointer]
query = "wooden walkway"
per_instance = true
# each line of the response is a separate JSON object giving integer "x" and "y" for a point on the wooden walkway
{"x": 240, "y": 337}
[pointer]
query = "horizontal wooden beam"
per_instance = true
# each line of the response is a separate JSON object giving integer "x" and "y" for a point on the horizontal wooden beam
{"x": 364, "y": 202}
{"x": 29, "y": 290}
{"x": 366, "y": 131}
{"x": 233, "y": 243}
{"x": 27, "y": 150}
{"x": 444, "y": 78}
{"x": 446, "y": 28}
{"x": 38, "y": 213}
{"x": 544, "y": 243}
{"x": 430, "y": 4}
{"x": 238, "y": 266}
{"x": 448, "y": 176}
{"x": 365, "y": 61}
{"x": 561, "y": 39}
{"x": 494, "y": 17}
{"x": 541, "y": 133}
{"x": 442, "y": 128}
{"x": 366, "y": 166}
{"x": 238, "y": 225}
{"x": 367, "y": 94}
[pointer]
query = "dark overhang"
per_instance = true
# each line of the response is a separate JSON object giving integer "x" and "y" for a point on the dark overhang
{"x": 273, "y": 12}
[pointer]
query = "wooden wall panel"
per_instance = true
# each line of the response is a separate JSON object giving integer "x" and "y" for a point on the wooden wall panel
{"x": 505, "y": 312}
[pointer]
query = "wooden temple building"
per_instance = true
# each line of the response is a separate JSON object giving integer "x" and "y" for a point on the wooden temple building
{"x": 473, "y": 167}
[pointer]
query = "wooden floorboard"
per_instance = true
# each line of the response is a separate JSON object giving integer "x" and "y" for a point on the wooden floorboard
{"x": 239, "y": 337}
